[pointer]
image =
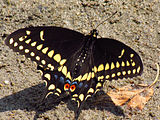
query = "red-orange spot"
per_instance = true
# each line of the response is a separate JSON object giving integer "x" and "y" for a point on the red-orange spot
{"x": 72, "y": 88}
{"x": 66, "y": 86}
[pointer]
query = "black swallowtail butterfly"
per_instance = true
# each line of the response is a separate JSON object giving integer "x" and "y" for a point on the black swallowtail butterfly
{"x": 74, "y": 63}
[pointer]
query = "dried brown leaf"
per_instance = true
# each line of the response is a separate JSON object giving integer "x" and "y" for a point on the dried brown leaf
{"x": 120, "y": 97}
{"x": 136, "y": 98}
{"x": 139, "y": 100}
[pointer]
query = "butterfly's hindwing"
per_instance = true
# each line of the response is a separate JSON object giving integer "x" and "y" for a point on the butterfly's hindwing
{"x": 85, "y": 89}
{"x": 113, "y": 60}
{"x": 54, "y": 82}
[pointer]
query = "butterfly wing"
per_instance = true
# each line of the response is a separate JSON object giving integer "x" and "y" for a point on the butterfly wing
{"x": 50, "y": 47}
{"x": 113, "y": 60}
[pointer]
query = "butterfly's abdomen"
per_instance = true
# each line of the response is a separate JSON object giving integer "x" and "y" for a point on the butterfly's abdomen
{"x": 82, "y": 59}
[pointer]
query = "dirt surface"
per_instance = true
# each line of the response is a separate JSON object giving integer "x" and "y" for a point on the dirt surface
{"x": 137, "y": 24}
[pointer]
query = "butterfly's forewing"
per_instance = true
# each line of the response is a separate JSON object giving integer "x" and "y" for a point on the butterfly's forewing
{"x": 113, "y": 60}
{"x": 48, "y": 46}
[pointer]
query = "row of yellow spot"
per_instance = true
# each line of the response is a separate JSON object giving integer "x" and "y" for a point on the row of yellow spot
{"x": 56, "y": 57}
{"x": 112, "y": 66}
{"x": 121, "y": 73}
{"x": 86, "y": 76}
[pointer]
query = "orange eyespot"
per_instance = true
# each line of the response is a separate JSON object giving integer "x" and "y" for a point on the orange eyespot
{"x": 66, "y": 86}
{"x": 72, "y": 88}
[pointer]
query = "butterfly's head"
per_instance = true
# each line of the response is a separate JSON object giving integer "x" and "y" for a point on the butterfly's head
{"x": 94, "y": 33}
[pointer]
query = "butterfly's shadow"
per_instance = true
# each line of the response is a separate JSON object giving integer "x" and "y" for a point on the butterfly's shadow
{"x": 100, "y": 101}
{"x": 30, "y": 99}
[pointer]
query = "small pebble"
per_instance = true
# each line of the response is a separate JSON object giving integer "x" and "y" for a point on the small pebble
{"x": 6, "y": 82}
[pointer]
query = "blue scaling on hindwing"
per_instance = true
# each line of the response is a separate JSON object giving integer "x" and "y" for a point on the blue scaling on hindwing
{"x": 56, "y": 76}
{"x": 86, "y": 86}
{"x": 61, "y": 80}
{"x": 80, "y": 84}
{"x": 68, "y": 81}
{"x": 75, "y": 82}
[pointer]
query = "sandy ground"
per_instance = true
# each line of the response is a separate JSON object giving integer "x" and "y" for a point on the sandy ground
{"x": 137, "y": 24}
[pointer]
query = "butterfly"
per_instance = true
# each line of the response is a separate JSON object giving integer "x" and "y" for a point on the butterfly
{"x": 73, "y": 63}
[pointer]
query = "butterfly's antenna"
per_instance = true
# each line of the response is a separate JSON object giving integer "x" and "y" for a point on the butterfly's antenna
{"x": 106, "y": 19}
{"x": 84, "y": 7}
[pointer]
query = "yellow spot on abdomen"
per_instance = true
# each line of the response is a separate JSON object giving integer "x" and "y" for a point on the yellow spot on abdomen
{"x": 21, "y": 38}
{"x": 15, "y": 44}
